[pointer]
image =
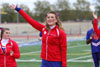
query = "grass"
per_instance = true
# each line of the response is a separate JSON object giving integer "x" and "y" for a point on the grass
{"x": 77, "y": 51}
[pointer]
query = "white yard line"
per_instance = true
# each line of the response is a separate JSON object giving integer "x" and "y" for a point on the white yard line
{"x": 30, "y": 52}
{"x": 77, "y": 46}
{"x": 89, "y": 60}
{"x": 77, "y": 59}
{"x": 32, "y": 60}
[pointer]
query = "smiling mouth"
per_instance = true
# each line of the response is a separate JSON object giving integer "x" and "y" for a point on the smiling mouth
{"x": 50, "y": 21}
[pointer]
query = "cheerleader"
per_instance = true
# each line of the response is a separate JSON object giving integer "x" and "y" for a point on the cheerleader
{"x": 9, "y": 50}
{"x": 54, "y": 43}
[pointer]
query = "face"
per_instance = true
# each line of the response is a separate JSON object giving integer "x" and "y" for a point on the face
{"x": 51, "y": 19}
{"x": 6, "y": 34}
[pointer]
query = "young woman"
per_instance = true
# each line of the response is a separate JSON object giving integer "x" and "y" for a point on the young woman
{"x": 9, "y": 50}
{"x": 54, "y": 44}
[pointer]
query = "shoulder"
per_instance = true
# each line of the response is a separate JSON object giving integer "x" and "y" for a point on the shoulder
{"x": 90, "y": 31}
{"x": 44, "y": 28}
{"x": 62, "y": 32}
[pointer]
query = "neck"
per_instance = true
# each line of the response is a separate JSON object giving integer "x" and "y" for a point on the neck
{"x": 51, "y": 27}
{"x": 5, "y": 39}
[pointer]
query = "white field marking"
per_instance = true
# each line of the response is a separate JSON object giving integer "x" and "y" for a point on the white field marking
{"x": 76, "y": 46}
{"x": 32, "y": 60}
{"x": 80, "y": 57}
{"x": 89, "y": 60}
{"x": 40, "y": 51}
{"x": 77, "y": 59}
{"x": 82, "y": 53}
{"x": 30, "y": 52}
{"x": 70, "y": 60}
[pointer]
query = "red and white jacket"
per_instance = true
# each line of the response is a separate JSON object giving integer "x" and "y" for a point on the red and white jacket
{"x": 5, "y": 59}
{"x": 54, "y": 44}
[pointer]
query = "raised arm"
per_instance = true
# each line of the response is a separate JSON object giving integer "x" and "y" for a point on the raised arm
{"x": 95, "y": 25}
{"x": 31, "y": 21}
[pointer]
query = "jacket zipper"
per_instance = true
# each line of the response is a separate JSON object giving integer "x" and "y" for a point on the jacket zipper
{"x": 4, "y": 61}
{"x": 47, "y": 45}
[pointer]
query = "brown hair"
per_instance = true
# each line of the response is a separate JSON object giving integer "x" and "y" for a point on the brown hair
{"x": 58, "y": 23}
{"x": 3, "y": 30}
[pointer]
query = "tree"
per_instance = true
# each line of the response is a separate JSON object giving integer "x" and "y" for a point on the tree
{"x": 82, "y": 5}
{"x": 62, "y": 5}
{"x": 41, "y": 8}
{"x": 82, "y": 8}
{"x": 27, "y": 10}
{"x": 97, "y": 7}
{"x": 10, "y": 16}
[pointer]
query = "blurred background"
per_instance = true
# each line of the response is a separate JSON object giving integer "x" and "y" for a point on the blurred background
{"x": 76, "y": 17}
{"x": 76, "y": 13}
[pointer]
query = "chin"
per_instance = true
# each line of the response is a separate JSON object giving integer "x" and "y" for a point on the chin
{"x": 7, "y": 38}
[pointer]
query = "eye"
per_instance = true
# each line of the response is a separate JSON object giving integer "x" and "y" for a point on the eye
{"x": 7, "y": 32}
{"x": 48, "y": 17}
{"x": 52, "y": 17}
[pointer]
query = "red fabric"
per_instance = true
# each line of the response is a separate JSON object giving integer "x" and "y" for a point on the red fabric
{"x": 96, "y": 29}
{"x": 53, "y": 46}
{"x": 31, "y": 21}
{"x": 7, "y": 60}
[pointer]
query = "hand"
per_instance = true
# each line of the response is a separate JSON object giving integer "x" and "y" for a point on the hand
{"x": 11, "y": 53}
{"x": 94, "y": 15}
{"x": 14, "y": 6}
{"x": 40, "y": 38}
{"x": 93, "y": 34}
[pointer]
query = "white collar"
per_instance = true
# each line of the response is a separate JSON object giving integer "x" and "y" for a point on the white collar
{"x": 51, "y": 27}
{"x": 4, "y": 40}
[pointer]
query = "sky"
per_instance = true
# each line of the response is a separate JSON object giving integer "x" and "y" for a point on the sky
{"x": 30, "y": 3}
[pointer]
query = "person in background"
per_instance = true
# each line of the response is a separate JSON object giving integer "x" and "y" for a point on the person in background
{"x": 54, "y": 42}
{"x": 93, "y": 39}
{"x": 40, "y": 36}
{"x": 9, "y": 50}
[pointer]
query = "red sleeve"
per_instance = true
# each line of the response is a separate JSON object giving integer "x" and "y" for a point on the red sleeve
{"x": 96, "y": 29}
{"x": 31, "y": 21}
{"x": 63, "y": 44}
{"x": 16, "y": 50}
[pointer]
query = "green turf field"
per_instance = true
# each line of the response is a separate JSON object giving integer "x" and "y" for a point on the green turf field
{"x": 79, "y": 55}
